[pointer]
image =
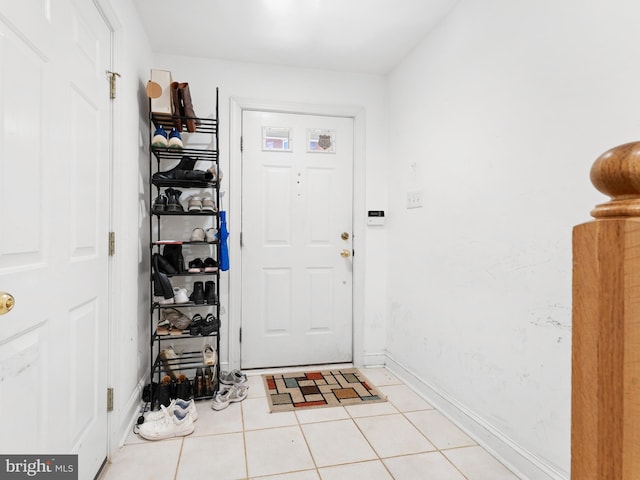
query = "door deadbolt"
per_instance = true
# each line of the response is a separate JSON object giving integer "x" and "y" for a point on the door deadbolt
{"x": 345, "y": 253}
{"x": 344, "y": 236}
{"x": 6, "y": 302}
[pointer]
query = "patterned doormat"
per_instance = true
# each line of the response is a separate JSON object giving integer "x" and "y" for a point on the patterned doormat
{"x": 319, "y": 388}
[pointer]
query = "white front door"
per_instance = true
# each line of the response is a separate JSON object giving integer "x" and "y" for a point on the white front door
{"x": 54, "y": 206}
{"x": 297, "y": 181}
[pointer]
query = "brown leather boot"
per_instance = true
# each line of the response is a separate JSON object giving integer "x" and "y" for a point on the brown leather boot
{"x": 178, "y": 110}
{"x": 187, "y": 105}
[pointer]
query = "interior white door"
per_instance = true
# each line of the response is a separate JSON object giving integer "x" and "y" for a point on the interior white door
{"x": 54, "y": 205}
{"x": 297, "y": 182}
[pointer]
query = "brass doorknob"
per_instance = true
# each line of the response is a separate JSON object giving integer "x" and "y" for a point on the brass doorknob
{"x": 6, "y": 302}
{"x": 345, "y": 253}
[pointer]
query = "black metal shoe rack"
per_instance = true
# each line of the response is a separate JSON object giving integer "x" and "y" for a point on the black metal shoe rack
{"x": 188, "y": 347}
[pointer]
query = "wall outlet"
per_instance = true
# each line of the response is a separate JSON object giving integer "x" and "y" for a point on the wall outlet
{"x": 414, "y": 199}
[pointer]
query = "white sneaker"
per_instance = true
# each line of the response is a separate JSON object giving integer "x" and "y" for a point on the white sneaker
{"x": 234, "y": 377}
{"x": 233, "y": 393}
{"x": 209, "y": 355}
{"x": 180, "y": 295}
{"x": 169, "y": 425}
{"x": 211, "y": 234}
{"x": 195, "y": 204}
{"x": 208, "y": 205}
{"x": 197, "y": 235}
{"x": 177, "y": 404}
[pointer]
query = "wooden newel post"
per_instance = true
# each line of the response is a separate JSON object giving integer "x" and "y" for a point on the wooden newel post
{"x": 605, "y": 425}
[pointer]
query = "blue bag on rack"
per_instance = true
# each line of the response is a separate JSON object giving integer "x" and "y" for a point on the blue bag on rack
{"x": 223, "y": 234}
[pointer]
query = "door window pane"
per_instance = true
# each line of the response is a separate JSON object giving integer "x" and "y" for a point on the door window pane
{"x": 277, "y": 139}
{"x": 322, "y": 141}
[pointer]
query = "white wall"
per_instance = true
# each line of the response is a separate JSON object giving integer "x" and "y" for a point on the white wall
{"x": 501, "y": 111}
{"x": 304, "y": 86}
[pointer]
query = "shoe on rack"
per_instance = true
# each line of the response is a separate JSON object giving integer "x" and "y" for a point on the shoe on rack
{"x": 182, "y": 173}
{"x": 209, "y": 355}
{"x": 210, "y": 234}
{"x": 178, "y": 320}
{"x": 162, "y": 289}
{"x": 210, "y": 297}
{"x": 171, "y": 424}
{"x": 234, "y": 377}
{"x": 159, "y": 139}
{"x": 163, "y": 265}
{"x": 197, "y": 235}
{"x": 164, "y": 328}
{"x": 160, "y": 300}
{"x": 216, "y": 173}
{"x": 175, "y": 140}
{"x": 195, "y": 204}
{"x": 169, "y": 359}
{"x": 210, "y": 265}
{"x": 209, "y": 325}
{"x": 227, "y": 395}
{"x": 173, "y": 254}
{"x": 178, "y": 109}
{"x": 208, "y": 205}
{"x": 198, "y": 384}
{"x": 159, "y": 204}
{"x": 187, "y": 107}
{"x": 180, "y": 295}
{"x": 196, "y": 265}
{"x": 209, "y": 382}
{"x": 197, "y": 296}
{"x": 183, "y": 388}
{"x": 173, "y": 200}
{"x": 196, "y": 325}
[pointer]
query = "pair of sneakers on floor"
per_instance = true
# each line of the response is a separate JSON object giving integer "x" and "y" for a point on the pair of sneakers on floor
{"x": 175, "y": 420}
{"x": 233, "y": 388}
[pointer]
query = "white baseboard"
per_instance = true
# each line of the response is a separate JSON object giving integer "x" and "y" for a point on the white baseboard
{"x": 519, "y": 460}
{"x": 374, "y": 359}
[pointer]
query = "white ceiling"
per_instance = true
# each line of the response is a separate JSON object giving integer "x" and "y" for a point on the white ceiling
{"x": 369, "y": 36}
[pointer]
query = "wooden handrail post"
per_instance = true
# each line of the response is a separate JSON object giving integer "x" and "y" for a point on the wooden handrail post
{"x": 605, "y": 400}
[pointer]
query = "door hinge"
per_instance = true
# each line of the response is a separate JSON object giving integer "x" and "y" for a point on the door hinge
{"x": 112, "y": 244}
{"x": 112, "y": 83}
{"x": 241, "y": 144}
{"x": 240, "y": 334}
{"x": 241, "y": 244}
{"x": 110, "y": 399}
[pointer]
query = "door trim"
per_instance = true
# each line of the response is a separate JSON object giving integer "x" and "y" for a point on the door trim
{"x": 110, "y": 17}
{"x": 234, "y": 204}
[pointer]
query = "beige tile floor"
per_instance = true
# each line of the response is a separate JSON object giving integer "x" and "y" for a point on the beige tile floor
{"x": 402, "y": 439}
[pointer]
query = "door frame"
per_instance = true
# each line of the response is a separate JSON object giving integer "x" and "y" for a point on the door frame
{"x": 234, "y": 205}
{"x": 110, "y": 17}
